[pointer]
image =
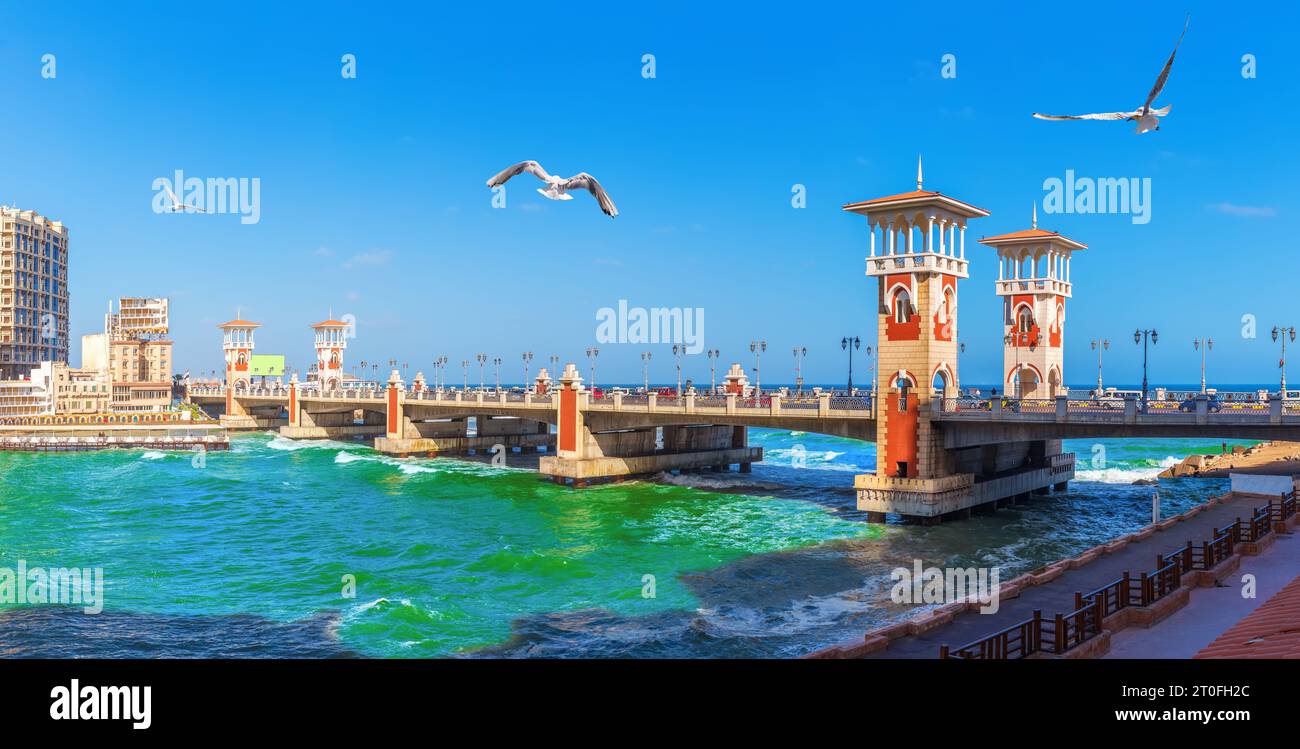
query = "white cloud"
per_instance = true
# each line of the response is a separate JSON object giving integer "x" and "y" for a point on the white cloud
{"x": 369, "y": 259}
{"x": 1244, "y": 211}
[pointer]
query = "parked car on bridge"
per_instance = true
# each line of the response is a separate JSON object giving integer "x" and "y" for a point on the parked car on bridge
{"x": 1212, "y": 404}
{"x": 1008, "y": 404}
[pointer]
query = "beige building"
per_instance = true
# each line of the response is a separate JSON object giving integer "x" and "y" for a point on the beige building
{"x": 29, "y": 396}
{"x": 133, "y": 354}
{"x": 79, "y": 391}
{"x": 33, "y": 292}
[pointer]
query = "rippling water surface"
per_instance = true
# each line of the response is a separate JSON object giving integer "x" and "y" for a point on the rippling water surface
{"x": 247, "y": 555}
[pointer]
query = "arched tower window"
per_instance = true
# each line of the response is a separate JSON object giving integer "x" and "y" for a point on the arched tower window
{"x": 902, "y": 306}
{"x": 947, "y": 306}
{"x": 1024, "y": 319}
{"x": 904, "y": 386}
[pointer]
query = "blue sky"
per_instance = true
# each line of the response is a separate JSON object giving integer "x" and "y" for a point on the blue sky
{"x": 373, "y": 200}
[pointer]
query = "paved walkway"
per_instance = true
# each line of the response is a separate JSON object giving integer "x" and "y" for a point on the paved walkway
{"x": 1058, "y": 595}
{"x": 1212, "y": 611}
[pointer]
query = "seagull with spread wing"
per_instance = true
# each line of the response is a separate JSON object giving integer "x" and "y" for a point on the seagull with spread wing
{"x": 1146, "y": 117}
{"x": 557, "y": 188}
{"x": 177, "y": 206}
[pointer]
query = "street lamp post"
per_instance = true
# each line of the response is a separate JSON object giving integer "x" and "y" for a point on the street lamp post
{"x": 1141, "y": 336}
{"x": 1009, "y": 340}
{"x": 496, "y": 368}
{"x": 799, "y": 353}
{"x": 849, "y": 344}
{"x": 1283, "y": 333}
{"x": 713, "y": 355}
{"x": 645, "y": 370}
{"x": 1102, "y": 345}
{"x": 757, "y": 348}
{"x": 464, "y": 370}
{"x": 678, "y": 350}
{"x": 527, "y": 358}
{"x": 482, "y": 360}
{"x": 956, "y": 386}
{"x": 592, "y": 353}
{"x": 1204, "y": 345}
{"x": 873, "y": 377}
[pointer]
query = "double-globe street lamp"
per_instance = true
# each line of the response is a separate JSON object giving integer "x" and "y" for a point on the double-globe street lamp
{"x": 1283, "y": 333}
{"x": 757, "y": 348}
{"x": 799, "y": 353}
{"x": 1141, "y": 336}
{"x": 849, "y": 344}
{"x": 713, "y": 355}
{"x": 1103, "y": 345}
{"x": 1203, "y": 345}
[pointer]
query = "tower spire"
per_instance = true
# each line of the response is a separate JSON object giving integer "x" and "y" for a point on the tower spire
{"x": 918, "y": 171}
{"x": 1035, "y": 215}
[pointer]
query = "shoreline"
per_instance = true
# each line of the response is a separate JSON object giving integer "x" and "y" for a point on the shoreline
{"x": 1271, "y": 457}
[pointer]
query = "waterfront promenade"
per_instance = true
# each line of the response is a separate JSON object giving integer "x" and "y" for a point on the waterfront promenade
{"x": 1212, "y": 611}
{"x": 1054, "y": 588}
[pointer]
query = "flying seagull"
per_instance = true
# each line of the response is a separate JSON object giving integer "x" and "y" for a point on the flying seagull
{"x": 1146, "y": 117}
{"x": 557, "y": 188}
{"x": 177, "y": 206}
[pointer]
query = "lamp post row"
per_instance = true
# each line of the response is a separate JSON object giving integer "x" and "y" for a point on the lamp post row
{"x": 1143, "y": 337}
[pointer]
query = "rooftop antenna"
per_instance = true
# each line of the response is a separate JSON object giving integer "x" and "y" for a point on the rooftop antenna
{"x": 918, "y": 171}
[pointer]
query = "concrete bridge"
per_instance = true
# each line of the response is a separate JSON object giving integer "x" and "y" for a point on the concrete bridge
{"x": 999, "y": 450}
{"x": 598, "y": 438}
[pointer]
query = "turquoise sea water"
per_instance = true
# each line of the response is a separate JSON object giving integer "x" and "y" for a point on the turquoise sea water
{"x": 247, "y": 554}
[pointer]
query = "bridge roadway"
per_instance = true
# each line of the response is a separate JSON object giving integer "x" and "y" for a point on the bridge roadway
{"x": 994, "y": 449}
{"x": 966, "y": 421}
{"x": 970, "y": 422}
{"x": 838, "y": 416}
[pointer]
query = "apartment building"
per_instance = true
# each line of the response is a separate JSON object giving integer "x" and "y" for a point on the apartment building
{"x": 33, "y": 292}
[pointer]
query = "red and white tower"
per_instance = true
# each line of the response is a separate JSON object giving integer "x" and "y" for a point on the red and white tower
{"x": 1034, "y": 283}
{"x": 918, "y": 251}
{"x": 331, "y": 340}
{"x": 237, "y": 343}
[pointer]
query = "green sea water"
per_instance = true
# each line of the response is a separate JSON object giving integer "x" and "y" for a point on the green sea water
{"x": 251, "y": 552}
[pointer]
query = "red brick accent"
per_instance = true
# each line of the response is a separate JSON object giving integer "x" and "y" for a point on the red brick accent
{"x": 901, "y": 427}
{"x": 1270, "y": 631}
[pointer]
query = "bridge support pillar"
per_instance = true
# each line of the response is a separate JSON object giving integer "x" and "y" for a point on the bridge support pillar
{"x": 595, "y": 446}
{"x": 451, "y": 437}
